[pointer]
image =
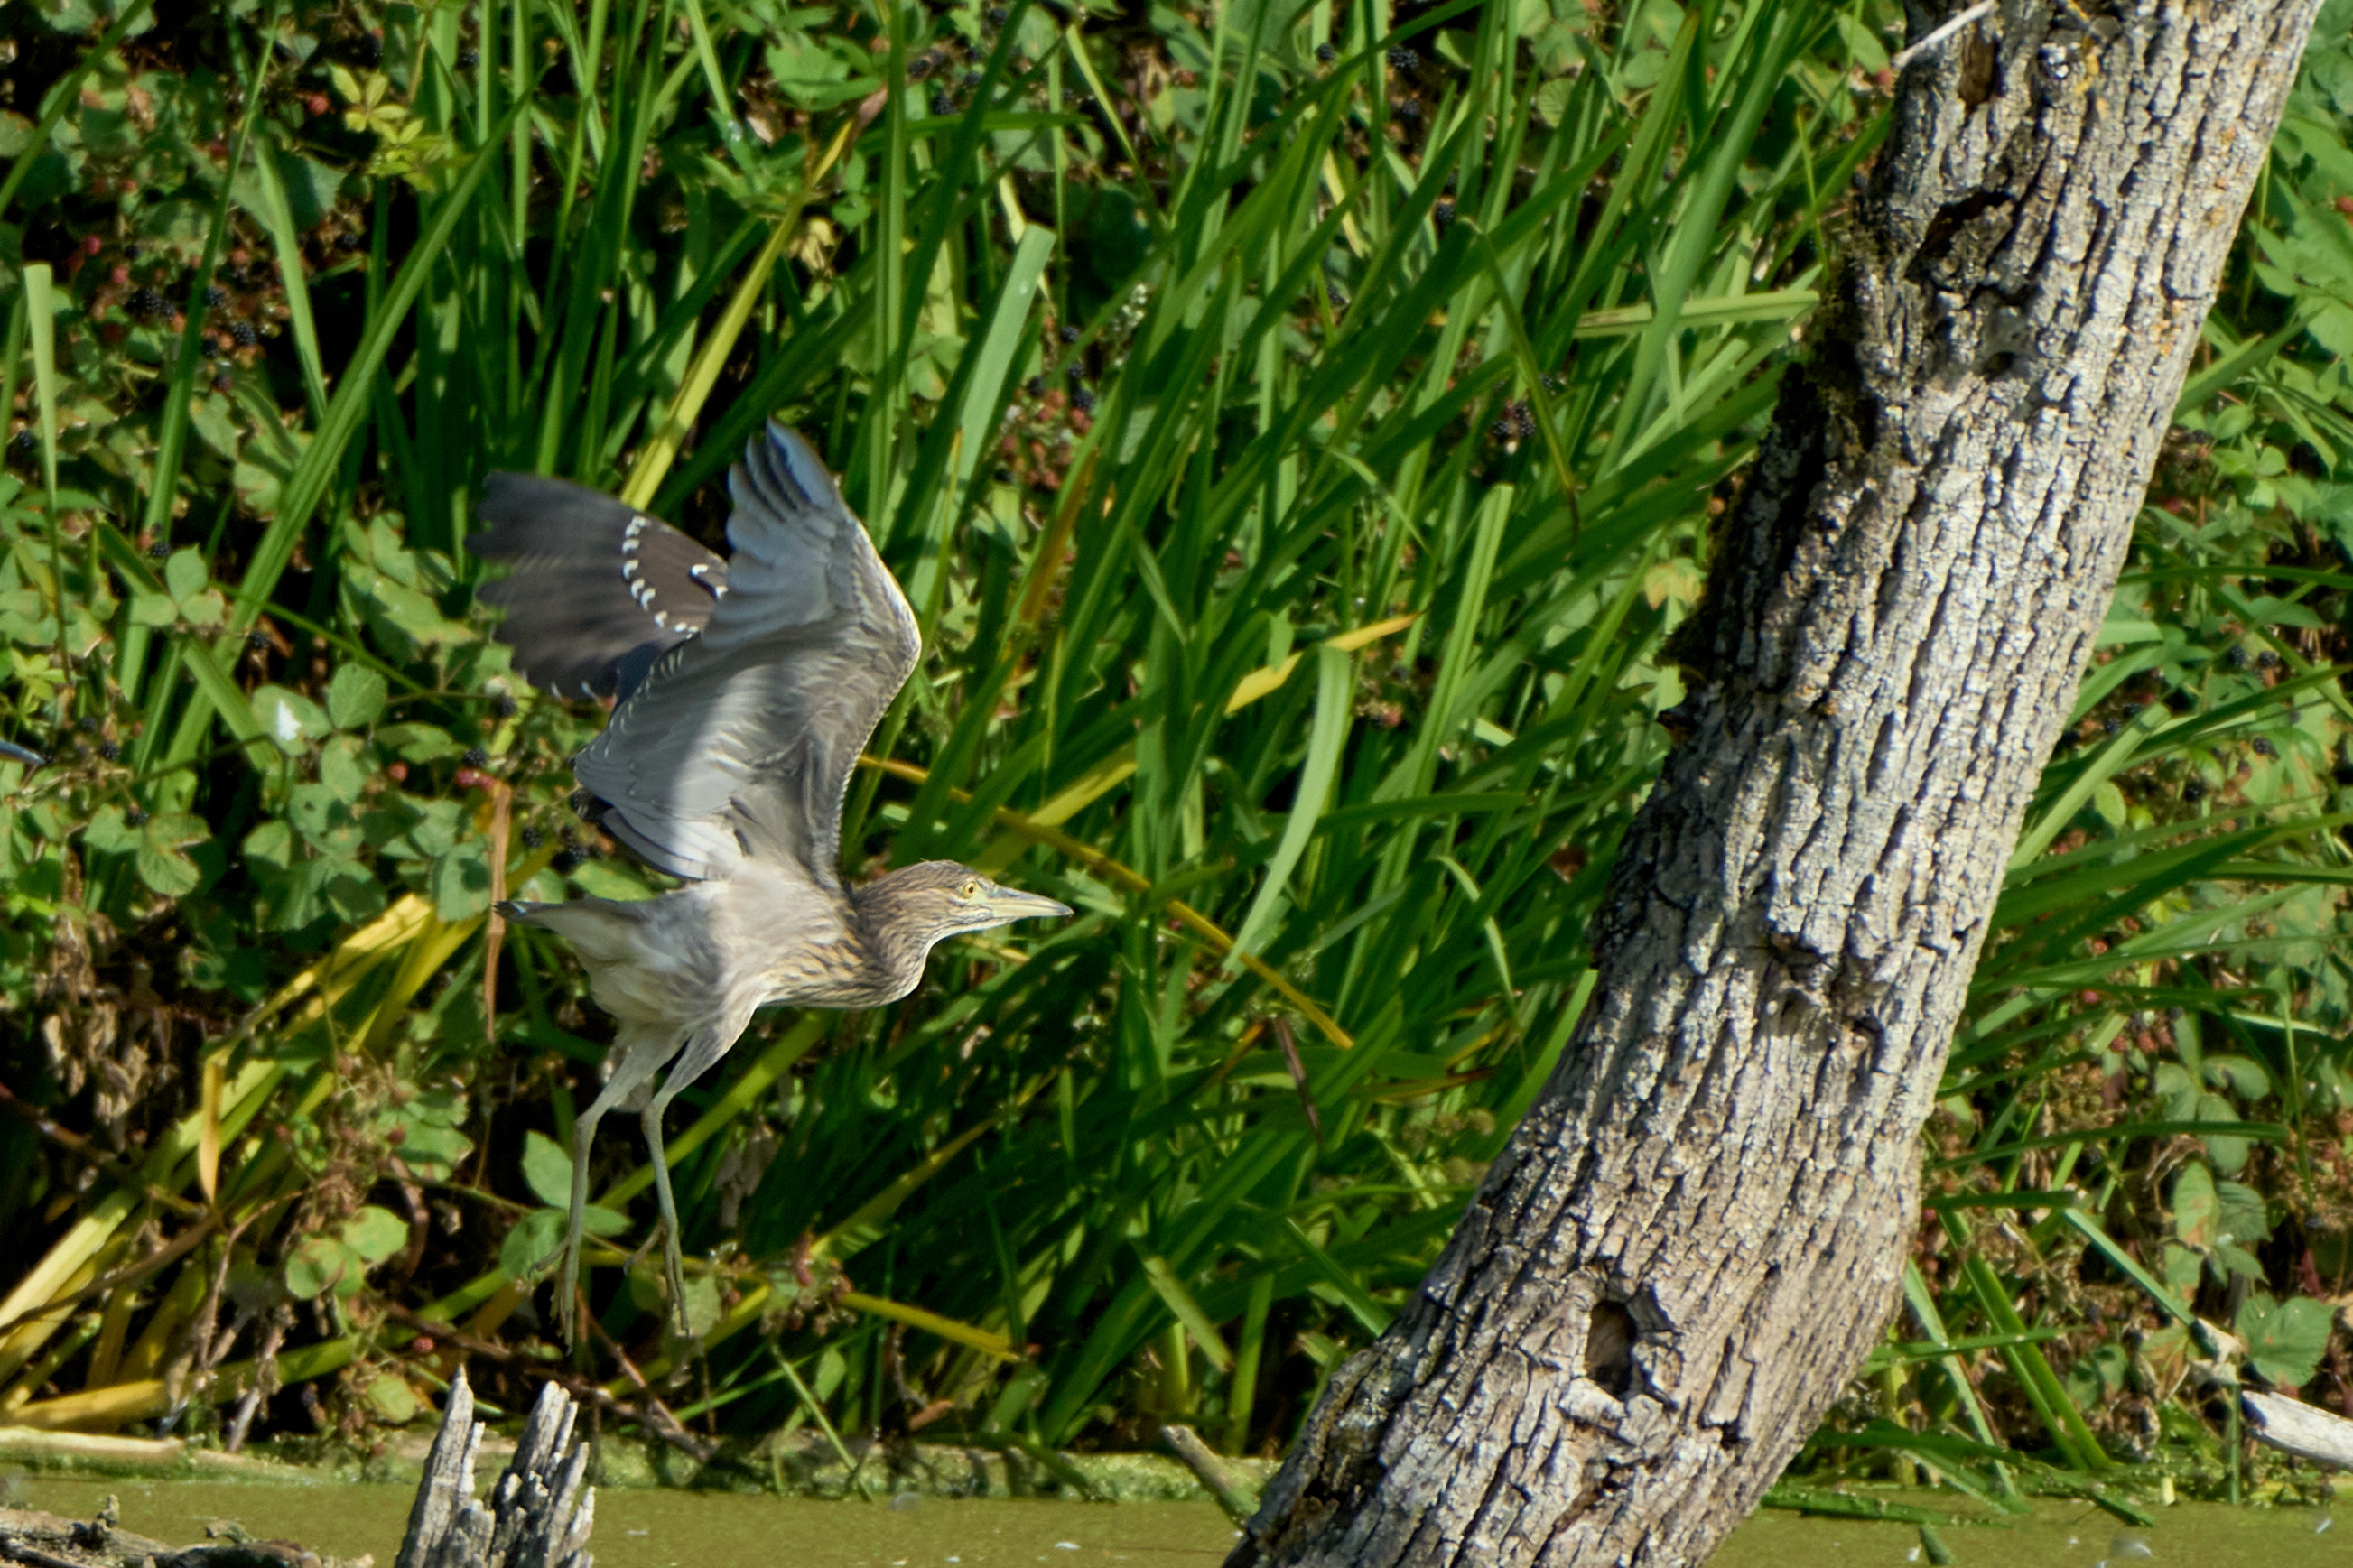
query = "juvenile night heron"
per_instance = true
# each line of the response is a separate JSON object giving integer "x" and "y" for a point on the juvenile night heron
{"x": 746, "y": 688}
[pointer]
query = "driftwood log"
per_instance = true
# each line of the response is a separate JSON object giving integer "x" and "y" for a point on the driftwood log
{"x": 2297, "y": 1428}
{"x": 539, "y": 1514}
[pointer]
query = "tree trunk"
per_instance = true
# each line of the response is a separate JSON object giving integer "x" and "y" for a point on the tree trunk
{"x": 1693, "y": 1238}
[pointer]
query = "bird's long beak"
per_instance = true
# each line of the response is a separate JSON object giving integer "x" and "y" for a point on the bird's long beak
{"x": 1011, "y": 904}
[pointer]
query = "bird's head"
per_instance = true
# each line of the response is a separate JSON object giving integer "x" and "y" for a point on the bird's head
{"x": 939, "y": 899}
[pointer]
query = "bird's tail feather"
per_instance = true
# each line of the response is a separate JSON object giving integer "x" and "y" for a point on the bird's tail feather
{"x": 603, "y": 931}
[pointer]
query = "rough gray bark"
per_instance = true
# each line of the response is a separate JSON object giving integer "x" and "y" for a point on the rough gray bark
{"x": 539, "y": 1513}
{"x": 1693, "y": 1238}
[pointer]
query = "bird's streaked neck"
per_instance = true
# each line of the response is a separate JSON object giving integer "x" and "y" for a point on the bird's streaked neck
{"x": 894, "y": 947}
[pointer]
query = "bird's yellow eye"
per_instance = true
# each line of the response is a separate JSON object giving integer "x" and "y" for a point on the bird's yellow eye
{"x": 971, "y": 890}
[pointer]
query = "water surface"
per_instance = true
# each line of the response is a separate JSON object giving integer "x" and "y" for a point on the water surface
{"x": 640, "y": 1529}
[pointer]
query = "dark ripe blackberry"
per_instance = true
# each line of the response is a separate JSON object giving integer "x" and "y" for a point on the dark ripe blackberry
{"x": 257, "y": 639}
{"x": 369, "y": 47}
{"x": 2179, "y": 702}
{"x": 243, "y": 335}
{"x": 1333, "y": 296}
{"x": 2193, "y": 792}
{"x": 996, "y": 15}
{"x": 111, "y": 750}
{"x": 144, "y": 304}
{"x": 2259, "y": 746}
{"x": 89, "y": 723}
{"x": 349, "y": 242}
{"x": 2267, "y": 660}
{"x": 568, "y": 860}
{"x": 943, "y": 104}
{"x": 1327, "y": 53}
{"x": 2236, "y": 658}
{"x": 133, "y": 816}
{"x": 24, "y": 440}
{"x": 1069, "y": 334}
{"x": 1408, "y": 112}
{"x": 476, "y": 757}
{"x": 1500, "y": 430}
{"x": 215, "y": 296}
{"x": 469, "y": 58}
{"x": 223, "y": 381}
{"x": 919, "y": 67}
{"x": 1004, "y": 476}
{"x": 2109, "y": 726}
{"x": 504, "y": 706}
{"x": 1074, "y": 373}
{"x": 132, "y": 252}
{"x": 1035, "y": 386}
{"x": 1403, "y": 59}
{"x": 1555, "y": 385}
{"x": 969, "y": 78}
{"x": 1442, "y": 214}
{"x": 160, "y": 549}
{"x": 1083, "y": 400}
{"x": 532, "y": 838}
{"x": 2132, "y": 710}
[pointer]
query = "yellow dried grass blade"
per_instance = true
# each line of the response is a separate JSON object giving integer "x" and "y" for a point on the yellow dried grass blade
{"x": 948, "y": 1328}
{"x": 661, "y": 450}
{"x": 208, "y": 1125}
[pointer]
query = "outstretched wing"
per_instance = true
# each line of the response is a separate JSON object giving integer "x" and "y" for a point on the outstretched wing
{"x": 597, "y": 591}
{"x": 738, "y": 746}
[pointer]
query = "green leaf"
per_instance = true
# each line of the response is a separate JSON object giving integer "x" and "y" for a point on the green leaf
{"x": 270, "y": 846}
{"x": 375, "y": 1234}
{"x": 346, "y": 764}
{"x": 392, "y": 1401}
{"x": 167, "y": 871}
{"x": 546, "y": 1169}
{"x": 319, "y": 1264}
{"x": 289, "y": 718}
{"x": 417, "y": 742}
{"x": 532, "y": 1242}
{"x": 2197, "y": 1212}
{"x": 184, "y": 575}
{"x": 2285, "y": 1340}
{"x": 355, "y": 697}
{"x": 152, "y": 610}
{"x": 462, "y": 882}
{"x": 108, "y": 832}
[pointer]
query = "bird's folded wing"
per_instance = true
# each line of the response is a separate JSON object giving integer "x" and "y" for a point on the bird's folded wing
{"x": 738, "y": 744}
{"x": 596, "y": 590}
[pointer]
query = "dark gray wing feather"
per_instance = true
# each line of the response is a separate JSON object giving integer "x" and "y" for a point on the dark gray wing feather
{"x": 597, "y": 591}
{"x": 738, "y": 745}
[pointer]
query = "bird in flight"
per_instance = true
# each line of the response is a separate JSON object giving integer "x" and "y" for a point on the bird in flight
{"x": 745, "y": 690}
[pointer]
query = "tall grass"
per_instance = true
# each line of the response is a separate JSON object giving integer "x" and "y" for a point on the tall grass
{"x": 1304, "y": 639}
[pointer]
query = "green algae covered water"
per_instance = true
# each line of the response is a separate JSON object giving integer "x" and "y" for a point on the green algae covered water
{"x": 646, "y": 1529}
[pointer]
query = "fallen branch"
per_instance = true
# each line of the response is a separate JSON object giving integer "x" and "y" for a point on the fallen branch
{"x": 1188, "y": 1446}
{"x": 2304, "y": 1430}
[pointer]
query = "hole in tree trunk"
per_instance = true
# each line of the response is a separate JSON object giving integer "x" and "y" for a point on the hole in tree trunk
{"x": 1610, "y": 1348}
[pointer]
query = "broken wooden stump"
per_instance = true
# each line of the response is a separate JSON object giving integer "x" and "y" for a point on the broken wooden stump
{"x": 537, "y": 1516}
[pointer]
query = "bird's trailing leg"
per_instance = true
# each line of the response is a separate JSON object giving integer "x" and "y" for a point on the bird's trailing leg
{"x": 703, "y": 1049}
{"x": 642, "y": 1055}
